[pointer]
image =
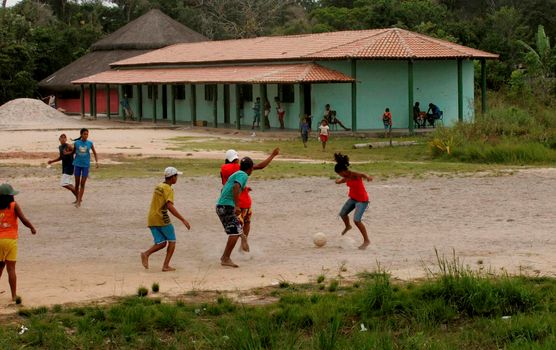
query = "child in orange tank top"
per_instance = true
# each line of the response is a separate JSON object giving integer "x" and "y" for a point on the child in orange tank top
{"x": 358, "y": 197}
{"x": 10, "y": 212}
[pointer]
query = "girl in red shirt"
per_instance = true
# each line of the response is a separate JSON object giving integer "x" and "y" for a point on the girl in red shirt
{"x": 358, "y": 197}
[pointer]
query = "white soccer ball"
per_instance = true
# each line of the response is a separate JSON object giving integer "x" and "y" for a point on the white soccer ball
{"x": 319, "y": 239}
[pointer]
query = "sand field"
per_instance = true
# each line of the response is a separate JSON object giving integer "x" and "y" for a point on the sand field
{"x": 504, "y": 223}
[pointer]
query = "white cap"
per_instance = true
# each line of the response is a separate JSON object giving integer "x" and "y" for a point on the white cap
{"x": 231, "y": 155}
{"x": 171, "y": 171}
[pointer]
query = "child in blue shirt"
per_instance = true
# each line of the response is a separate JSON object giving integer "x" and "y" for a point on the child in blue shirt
{"x": 82, "y": 161}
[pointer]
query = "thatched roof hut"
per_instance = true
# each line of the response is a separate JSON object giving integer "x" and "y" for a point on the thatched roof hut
{"x": 151, "y": 31}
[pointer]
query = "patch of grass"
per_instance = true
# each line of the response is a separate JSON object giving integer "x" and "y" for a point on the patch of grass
{"x": 142, "y": 291}
{"x": 155, "y": 287}
{"x": 320, "y": 279}
{"x": 454, "y": 308}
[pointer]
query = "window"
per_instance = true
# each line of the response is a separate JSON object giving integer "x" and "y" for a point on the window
{"x": 210, "y": 92}
{"x": 286, "y": 93}
{"x": 179, "y": 92}
{"x": 150, "y": 90}
{"x": 128, "y": 90}
{"x": 246, "y": 92}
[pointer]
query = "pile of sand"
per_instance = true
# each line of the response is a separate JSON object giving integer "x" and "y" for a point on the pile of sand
{"x": 28, "y": 112}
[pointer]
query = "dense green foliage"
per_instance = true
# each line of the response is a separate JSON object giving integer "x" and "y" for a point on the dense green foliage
{"x": 40, "y": 36}
{"x": 522, "y": 134}
{"x": 456, "y": 308}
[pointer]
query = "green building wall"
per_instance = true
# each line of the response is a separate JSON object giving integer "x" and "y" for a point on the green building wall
{"x": 380, "y": 84}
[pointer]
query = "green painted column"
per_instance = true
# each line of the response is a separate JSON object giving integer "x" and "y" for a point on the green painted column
{"x": 354, "y": 95}
{"x": 108, "y": 100}
{"x": 238, "y": 107}
{"x": 155, "y": 93}
{"x": 410, "y": 100}
{"x": 484, "y": 106}
{"x": 193, "y": 104}
{"x": 460, "y": 90}
{"x": 90, "y": 100}
{"x": 139, "y": 102}
{"x": 173, "y": 99}
{"x": 82, "y": 98}
{"x": 215, "y": 107}
{"x": 301, "y": 102}
{"x": 95, "y": 101}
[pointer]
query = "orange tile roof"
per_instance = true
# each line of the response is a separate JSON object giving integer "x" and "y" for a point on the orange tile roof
{"x": 391, "y": 43}
{"x": 282, "y": 73}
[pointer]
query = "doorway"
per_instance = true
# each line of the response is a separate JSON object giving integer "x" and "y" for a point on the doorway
{"x": 307, "y": 99}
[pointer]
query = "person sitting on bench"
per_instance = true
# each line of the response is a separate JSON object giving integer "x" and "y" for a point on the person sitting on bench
{"x": 417, "y": 116}
{"x": 330, "y": 117}
{"x": 433, "y": 114}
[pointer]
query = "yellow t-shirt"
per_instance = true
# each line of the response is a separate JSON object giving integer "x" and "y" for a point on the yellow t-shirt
{"x": 158, "y": 213}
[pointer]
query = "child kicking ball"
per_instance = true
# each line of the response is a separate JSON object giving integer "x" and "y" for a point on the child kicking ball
{"x": 358, "y": 197}
{"x": 159, "y": 221}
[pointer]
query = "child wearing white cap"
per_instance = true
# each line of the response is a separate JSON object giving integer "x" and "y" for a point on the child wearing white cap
{"x": 159, "y": 221}
{"x": 230, "y": 166}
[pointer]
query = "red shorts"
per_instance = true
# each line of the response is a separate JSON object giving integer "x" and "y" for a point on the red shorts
{"x": 323, "y": 138}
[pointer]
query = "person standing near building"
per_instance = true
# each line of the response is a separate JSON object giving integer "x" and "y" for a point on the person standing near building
{"x": 256, "y": 113}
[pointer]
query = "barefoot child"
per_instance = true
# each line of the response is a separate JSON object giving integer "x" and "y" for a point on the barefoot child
{"x": 82, "y": 162}
{"x": 66, "y": 156}
{"x": 228, "y": 208}
{"x": 324, "y": 131}
{"x": 230, "y": 166}
{"x": 158, "y": 220}
{"x": 9, "y": 213}
{"x": 358, "y": 197}
{"x": 304, "y": 132}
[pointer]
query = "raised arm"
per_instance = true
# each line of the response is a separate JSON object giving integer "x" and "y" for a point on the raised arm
{"x": 267, "y": 161}
{"x": 23, "y": 219}
{"x": 175, "y": 212}
{"x": 361, "y": 175}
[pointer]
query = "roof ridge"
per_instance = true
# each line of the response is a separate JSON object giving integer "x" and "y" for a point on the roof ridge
{"x": 404, "y": 43}
{"x": 446, "y": 43}
{"x": 378, "y": 32}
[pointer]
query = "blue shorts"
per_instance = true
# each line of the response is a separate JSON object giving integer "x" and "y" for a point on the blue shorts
{"x": 163, "y": 234}
{"x": 81, "y": 171}
{"x": 386, "y": 126}
{"x": 360, "y": 208}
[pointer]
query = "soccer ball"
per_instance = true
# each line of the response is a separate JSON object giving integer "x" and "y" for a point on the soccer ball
{"x": 319, "y": 239}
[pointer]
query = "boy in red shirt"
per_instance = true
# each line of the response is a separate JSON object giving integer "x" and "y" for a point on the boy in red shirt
{"x": 230, "y": 166}
{"x": 358, "y": 197}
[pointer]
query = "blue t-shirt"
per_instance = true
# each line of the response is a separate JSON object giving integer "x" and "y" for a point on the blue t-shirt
{"x": 82, "y": 153}
{"x": 227, "y": 195}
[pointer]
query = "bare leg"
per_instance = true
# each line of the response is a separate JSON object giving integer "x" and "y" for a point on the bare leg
{"x": 81, "y": 191}
{"x": 145, "y": 255}
{"x": 244, "y": 242}
{"x": 225, "y": 260}
{"x": 71, "y": 189}
{"x": 346, "y": 222}
{"x": 77, "y": 183}
{"x": 10, "y": 267}
{"x": 342, "y": 125}
{"x": 2, "y": 264}
{"x": 169, "y": 253}
{"x": 363, "y": 230}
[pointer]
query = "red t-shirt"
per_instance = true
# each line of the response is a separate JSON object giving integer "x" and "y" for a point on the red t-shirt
{"x": 357, "y": 190}
{"x": 226, "y": 171}
{"x": 8, "y": 222}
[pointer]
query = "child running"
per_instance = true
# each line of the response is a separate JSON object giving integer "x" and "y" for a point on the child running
{"x": 304, "y": 132}
{"x": 66, "y": 156}
{"x": 82, "y": 162}
{"x": 228, "y": 208}
{"x": 159, "y": 221}
{"x": 358, "y": 197}
{"x": 324, "y": 131}
{"x": 10, "y": 212}
{"x": 230, "y": 166}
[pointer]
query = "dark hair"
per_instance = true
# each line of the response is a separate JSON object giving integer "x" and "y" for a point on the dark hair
{"x": 80, "y": 134}
{"x": 245, "y": 164}
{"x": 5, "y": 201}
{"x": 64, "y": 135}
{"x": 342, "y": 162}
{"x": 387, "y": 109}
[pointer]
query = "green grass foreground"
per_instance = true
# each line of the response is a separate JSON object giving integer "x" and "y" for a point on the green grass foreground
{"x": 455, "y": 309}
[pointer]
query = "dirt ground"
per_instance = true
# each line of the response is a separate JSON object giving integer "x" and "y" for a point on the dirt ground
{"x": 505, "y": 223}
